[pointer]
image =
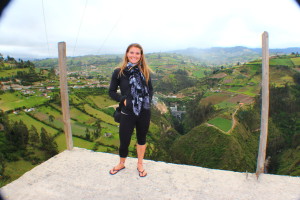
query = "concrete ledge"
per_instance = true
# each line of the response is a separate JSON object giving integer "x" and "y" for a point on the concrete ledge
{"x": 83, "y": 174}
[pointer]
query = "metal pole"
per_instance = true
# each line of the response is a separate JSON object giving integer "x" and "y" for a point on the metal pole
{"x": 64, "y": 93}
{"x": 264, "y": 106}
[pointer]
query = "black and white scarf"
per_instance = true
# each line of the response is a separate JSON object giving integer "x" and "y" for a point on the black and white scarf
{"x": 139, "y": 89}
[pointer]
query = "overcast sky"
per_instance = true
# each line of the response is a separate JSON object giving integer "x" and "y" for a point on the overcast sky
{"x": 108, "y": 26}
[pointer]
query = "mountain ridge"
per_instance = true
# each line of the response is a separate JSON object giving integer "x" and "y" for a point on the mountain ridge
{"x": 230, "y": 55}
{"x": 186, "y": 51}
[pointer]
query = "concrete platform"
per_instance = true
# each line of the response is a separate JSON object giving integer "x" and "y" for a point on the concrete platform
{"x": 82, "y": 174}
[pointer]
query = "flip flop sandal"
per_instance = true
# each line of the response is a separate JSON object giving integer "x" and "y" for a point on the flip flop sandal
{"x": 141, "y": 172}
{"x": 115, "y": 171}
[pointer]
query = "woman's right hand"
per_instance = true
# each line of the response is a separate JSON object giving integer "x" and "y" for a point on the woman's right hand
{"x": 125, "y": 102}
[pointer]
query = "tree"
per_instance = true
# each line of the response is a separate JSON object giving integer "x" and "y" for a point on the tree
{"x": 3, "y": 118}
{"x": 2, "y": 165}
{"x": 48, "y": 144}
{"x": 34, "y": 137}
{"x": 17, "y": 134}
{"x": 98, "y": 125}
{"x": 51, "y": 118}
{"x": 51, "y": 73}
{"x": 1, "y": 58}
{"x": 297, "y": 78}
{"x": 97, "y": 132}
{"x": 10, "y": 60}
{"x": 196, "y": 113}
{"x": 24, "y": 132}
{"x": 87, "y": 134}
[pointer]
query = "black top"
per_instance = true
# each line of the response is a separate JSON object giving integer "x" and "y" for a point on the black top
{"x": 123, "y": 82}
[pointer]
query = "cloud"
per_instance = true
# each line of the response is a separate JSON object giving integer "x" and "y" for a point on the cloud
{"x": 101, "y": 27}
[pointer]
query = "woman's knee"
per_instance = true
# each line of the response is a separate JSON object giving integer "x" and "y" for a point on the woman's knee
{"x": 141, "y": 140}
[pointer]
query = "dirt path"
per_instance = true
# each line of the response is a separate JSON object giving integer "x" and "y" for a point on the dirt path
{"x": 161, "y": 107}
{"x": 234, "y": 122}
{"x": 208, "y": 124}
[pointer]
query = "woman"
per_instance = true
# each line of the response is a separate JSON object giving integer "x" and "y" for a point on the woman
{"x": 133, "y": 78}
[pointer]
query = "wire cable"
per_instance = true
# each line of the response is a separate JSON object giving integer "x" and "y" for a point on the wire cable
{"x": 45, "y": 28}
{"x": 79, "y": 27}
{"x": 115, "y": 25}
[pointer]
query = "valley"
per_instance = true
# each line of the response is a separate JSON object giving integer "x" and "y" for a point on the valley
{"x": 216, "y": 123}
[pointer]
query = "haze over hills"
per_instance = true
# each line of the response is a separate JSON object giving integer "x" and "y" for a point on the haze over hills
{"x": 209, "y": 56}
{"x": 230, "y": 55}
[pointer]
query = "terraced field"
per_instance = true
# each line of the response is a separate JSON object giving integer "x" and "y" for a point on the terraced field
{"x": 296, "y": 61}
{"x": 28, "y": 121}
{"x": 11, "y": 101}
{"x": 12, "y": 72}
{"x": 221, "y": 123}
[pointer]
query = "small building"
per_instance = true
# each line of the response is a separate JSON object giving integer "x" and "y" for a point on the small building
{"x": 108, "y": 134}
{"x": 29, "y": 109}
{"x": 50, "y": 88}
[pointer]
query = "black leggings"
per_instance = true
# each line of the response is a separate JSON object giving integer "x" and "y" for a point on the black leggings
{"x": 127, "y": 124}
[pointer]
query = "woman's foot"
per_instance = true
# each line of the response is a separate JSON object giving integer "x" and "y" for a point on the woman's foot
{"x": 141, "y": 170}
{"x": 117, "y": 168}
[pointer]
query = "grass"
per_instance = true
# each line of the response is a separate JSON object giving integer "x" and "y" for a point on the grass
{"x": 102, "y": 101}
{"x": 280, "y": 77}
{"x": 215, "y": 98}
{"x": 234, "y": 89}
{"x": 106, "y": 149}
{"x": 28, "y": 121}
{"x": 17, "y": 169}
{"x": 81, "y": 117}
{"x": 80, "y": 129}
{"x": 248, "y": 91}
{"x": 44, "y": 112}
{"x": 99, "y": 114}
{"x": 286, "y": 79}
{"x": 77, "y": 142}
{"x": 290, "y": 162}
{"x": 225, "y": 104}
{"x": 253, "y": 68}
{"x": 199, "y": 73}
{"x": 11, "y": 101}
{"x": 296, "y": 61}
{"x": 75, "y": 99}
{"x": 11, "y": 72}
{"x": 282, "y": 61}
{"x": 114, "y": 140}
{"x": 109, "y": 110}
{"x": 221, "y": 123}
{"x": 109, "y": 127}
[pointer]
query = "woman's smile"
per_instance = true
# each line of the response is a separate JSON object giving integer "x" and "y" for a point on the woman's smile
{"x": 134, "y": 55}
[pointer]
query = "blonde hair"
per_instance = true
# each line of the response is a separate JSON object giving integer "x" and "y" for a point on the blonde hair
{"x": 142, "y": 62}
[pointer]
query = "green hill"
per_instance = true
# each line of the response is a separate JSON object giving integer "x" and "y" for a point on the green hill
{"x": 207, "y": 147}
{"x": 214, "y": 95}
{"x": 227, "y": 89}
